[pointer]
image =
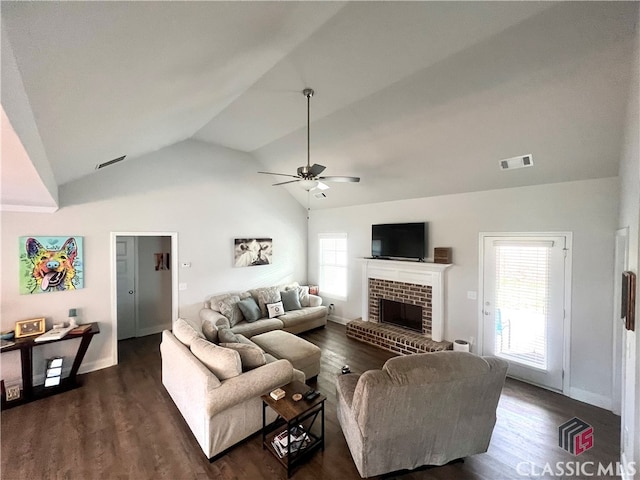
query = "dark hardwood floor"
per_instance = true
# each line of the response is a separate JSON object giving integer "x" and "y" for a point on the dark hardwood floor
{"x": 121, "y": 424}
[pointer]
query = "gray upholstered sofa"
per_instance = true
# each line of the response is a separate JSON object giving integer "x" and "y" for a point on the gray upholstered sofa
{"x": 227, "y": 310}
{"x": 424, "y": 409}
{"x": 215, "y": 387}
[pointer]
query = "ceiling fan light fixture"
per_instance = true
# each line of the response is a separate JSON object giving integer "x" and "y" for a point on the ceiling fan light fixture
{"x": 308, "y": 184}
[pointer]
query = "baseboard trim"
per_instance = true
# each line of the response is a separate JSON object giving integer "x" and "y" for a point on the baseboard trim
{"x": 626, "y": 473}
{"x": 84, "y": 368}
{"x": 87, "y": 367}
{"x": 601, "y": 401}
{"x": 336, "y": 319}
{"x": 143, "y": 332}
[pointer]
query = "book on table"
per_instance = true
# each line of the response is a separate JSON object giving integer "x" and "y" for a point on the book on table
{"x": 299, "y": 439}
{"x": 81, "y": 329}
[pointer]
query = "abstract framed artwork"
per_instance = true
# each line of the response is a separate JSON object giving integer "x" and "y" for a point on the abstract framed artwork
{"x": 248, "y": 252}
{"x": 628, "y": 307}
{"x": 50, "y": 264}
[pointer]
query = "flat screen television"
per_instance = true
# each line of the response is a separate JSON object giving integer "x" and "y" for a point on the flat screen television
{"x": 399, "y": 240}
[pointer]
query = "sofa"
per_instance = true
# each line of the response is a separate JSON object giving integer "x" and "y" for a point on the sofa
{"x": 287, "y": 307}
{"x": 216, "y": 378}
{"x": 421, "y": 409}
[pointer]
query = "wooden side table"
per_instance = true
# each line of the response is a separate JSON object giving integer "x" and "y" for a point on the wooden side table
{"x": 26, "y": 346}
{"x": 292, "y": 414}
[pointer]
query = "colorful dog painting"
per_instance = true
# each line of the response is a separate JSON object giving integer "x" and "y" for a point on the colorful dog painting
{"x": 48, "y": 265}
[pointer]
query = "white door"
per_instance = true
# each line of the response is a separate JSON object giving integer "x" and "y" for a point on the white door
{"x": 524, "y": 304}
{"x": 125, "y": 261}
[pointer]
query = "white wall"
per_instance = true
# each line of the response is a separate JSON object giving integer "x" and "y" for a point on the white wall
{"x": 153, "y": 286}
{"x": 208, "y": 195}
{"x": 586, "y": 208}
{"x": 630, "y": 218}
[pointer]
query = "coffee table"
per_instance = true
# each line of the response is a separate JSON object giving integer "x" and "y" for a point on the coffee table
{"x": 292, "y": 414}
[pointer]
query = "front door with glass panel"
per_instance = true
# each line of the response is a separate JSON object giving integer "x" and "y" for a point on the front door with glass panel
{"x": 524, "y": 304}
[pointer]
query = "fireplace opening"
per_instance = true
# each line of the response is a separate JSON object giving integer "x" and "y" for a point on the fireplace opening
{"x": 401, "y": 314}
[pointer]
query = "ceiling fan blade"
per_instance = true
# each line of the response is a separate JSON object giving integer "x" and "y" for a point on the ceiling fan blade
{"x": 288, "y": 181}
{"x": 316, "y": 169}
{"x": 340, "y": 179}
{"x": 281, "y": 174}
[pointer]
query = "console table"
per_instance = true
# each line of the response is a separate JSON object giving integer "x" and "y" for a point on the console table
{"x": 26, "y": 346}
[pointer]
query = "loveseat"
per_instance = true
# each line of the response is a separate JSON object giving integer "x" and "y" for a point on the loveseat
{"x": 285, "y": 307}
{"x": 216, "y": 378}
{"x": 422, "y": 409}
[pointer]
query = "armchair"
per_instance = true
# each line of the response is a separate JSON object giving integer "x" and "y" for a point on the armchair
{"x": 423, "y": 409}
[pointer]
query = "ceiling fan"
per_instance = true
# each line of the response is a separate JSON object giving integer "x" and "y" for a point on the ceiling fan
{"x": 309, "y": 175}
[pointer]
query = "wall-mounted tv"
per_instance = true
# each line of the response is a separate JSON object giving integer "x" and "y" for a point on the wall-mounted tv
{"x": 399, "y": 240}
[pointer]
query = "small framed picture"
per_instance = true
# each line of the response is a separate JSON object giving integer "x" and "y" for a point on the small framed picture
{"x": 314, "y": 289}
{"x": 27, "y": 328}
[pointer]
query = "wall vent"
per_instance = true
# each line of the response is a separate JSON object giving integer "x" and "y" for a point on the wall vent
{"x": 521, "y": 161}
{"x": 110, "y": 162}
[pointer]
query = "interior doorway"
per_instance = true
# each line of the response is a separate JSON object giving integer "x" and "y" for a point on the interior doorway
{"x": 144, "y": 284}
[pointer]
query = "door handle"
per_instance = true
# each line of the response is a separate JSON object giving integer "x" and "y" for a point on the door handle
{"x": 130, "y": 292}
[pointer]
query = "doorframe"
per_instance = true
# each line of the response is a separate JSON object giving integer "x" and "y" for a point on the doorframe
{"x": 114, "y": 281}
{"x": 566, "y": 327}
{"x": 621, "y": 235}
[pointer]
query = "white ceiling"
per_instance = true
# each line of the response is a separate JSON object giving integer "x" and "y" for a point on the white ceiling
{"x": 417, "y": 98}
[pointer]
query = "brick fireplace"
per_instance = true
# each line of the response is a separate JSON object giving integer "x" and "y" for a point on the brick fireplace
{"x": 402, "y": 292}
{"x": 414, "y": 283}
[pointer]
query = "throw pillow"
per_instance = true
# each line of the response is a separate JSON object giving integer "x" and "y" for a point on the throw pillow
{"x": 210, "y": 331}
{"x": 266, "y": 296}
{"x": 275, "y": 309}
{"x": 249, "y": 309}
{"x": 184, "y": 332}
{"x": 225, "y": 335}
{"x": 224, "y": 363}
{"x": 229, "y": 308}
{"x": 251, "y": 356}
{"x": 304, "y": 296}
{"x": 214, "y": 302}
{"x": 290, "y": 300}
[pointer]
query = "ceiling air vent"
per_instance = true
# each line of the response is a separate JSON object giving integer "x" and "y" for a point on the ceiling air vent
{"x": 110, "y": 162}
{"x": 516, "y": 162}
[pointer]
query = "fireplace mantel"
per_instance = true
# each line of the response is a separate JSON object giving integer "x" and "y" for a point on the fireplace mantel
{"x": 420, "y": 273}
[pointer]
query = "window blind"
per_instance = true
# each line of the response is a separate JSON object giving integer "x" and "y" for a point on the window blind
{"x": 522, "y": 302}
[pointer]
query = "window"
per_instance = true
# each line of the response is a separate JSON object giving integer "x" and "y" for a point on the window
{"x": 333, "y": 265}
{"x": 522, "y": 303}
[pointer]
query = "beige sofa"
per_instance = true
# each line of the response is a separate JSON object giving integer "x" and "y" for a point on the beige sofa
{"x": 423, "y": 409}
{"x": 223, "y": 311}
{"x": 220, "y": 411}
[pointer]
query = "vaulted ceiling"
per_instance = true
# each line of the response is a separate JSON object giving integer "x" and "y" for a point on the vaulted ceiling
{"x": 416, "y": 98}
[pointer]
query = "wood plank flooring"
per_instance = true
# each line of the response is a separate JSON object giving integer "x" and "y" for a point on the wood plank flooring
{"x": 123, "y": 425}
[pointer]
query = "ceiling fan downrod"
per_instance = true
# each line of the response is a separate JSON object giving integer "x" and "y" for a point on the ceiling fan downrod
{"x": 308, "y": 92}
